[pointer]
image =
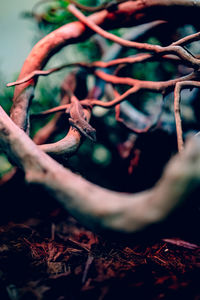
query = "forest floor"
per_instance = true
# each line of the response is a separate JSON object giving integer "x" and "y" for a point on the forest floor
{"x": 46, "y": 254}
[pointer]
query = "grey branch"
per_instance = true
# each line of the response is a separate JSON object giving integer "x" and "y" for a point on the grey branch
{"x": 95, "y": 207}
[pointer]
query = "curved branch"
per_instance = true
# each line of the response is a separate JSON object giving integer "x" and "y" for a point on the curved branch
{"x": 64, "y": 147}
{"x": 156, "y": 49}
{"x": 187, "y": 40}
{"x": 108, "y": 57}
{"x": 177, "y": 98}
{"x": 138, "y": 58}
{"x": 95, "y": 207}
{"x": 128, "y": 14}
{"x": 137, "y": 85}
{"x": 154, "y": 86}
{"x": 70, "y": 144}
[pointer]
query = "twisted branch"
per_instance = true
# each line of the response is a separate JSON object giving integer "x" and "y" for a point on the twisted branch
{"x": 181, "y": 52}
{"x": 129, "y": 13}
{"x": 95, "y": 207}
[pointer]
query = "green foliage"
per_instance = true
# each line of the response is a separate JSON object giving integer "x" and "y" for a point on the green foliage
{"x": 56, "y": 14}
{"x": 6, "y": 95}
{"x": 6, "y": 102}
{"x": 5, "y": 165}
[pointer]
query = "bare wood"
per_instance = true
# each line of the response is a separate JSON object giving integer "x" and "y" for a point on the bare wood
{"x": 129, "y": 13}
{"x": 97, "y": 64}
{"x": 156, "y": 49}
{"x": 71, "y": 142}
{"x": 95, "y": 207}
{"x": 177, "y": 98}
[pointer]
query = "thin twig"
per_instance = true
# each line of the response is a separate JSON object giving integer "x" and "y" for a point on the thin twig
{"x": 156, "y": 49}
{"x": 97, "y": 64}
{"x": 160, "y": 86}
{"x": 177, "y": 98}
{"x": 188, "y": 39}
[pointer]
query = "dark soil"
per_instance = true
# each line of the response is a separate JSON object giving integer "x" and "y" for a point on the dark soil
{"x": 46, "y": 254}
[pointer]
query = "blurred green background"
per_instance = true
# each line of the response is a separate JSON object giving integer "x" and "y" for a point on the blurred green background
{"x": 16, "y": 42}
